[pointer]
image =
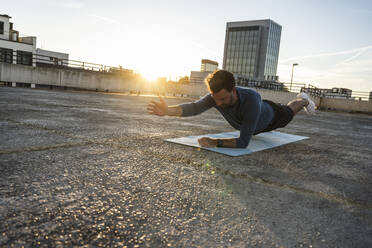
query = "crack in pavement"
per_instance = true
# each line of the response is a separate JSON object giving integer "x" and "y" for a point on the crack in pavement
{"x": 44, "y": 148}
{"x": 180, "y": 159}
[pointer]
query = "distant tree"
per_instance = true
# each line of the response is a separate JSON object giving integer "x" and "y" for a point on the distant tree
{"x": 184, "y": 80}
{"x": 161, "y": 80}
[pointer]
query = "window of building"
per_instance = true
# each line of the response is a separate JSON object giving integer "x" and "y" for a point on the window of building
{"x": 6, "y": 55}
{"x": 1, "y": 27}
{"x": 24, "y": 58}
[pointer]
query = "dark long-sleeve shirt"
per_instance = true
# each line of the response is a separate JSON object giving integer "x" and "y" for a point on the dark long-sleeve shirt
{"x": 249, "y": 114}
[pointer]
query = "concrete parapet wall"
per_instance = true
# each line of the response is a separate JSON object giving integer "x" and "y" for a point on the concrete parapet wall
{"x": 194, "y": 89}
{"x": 89, "y": 80}
{"x": 16, "y": 73}
{"x": 67, "y": 78}
{"x": 346, "y": 105}
{"x": 282, "y": 96}
{"x": 46, "y": 77}
{"x": 277, "y": 96}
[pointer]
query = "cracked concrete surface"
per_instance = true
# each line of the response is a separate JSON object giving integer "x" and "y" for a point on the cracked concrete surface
{"x": 92, "y": 169}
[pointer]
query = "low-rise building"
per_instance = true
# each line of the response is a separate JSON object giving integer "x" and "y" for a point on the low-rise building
{"x": 337, "y": 93}
{"x": 13, "y": 48}
{"x": 250, "y": 82}
{"x": 50, "y": 58}
{"x": 197, "y": 77}
{"x": 208, "y": 65}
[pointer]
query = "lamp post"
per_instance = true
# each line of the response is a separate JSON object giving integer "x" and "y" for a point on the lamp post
{"x": 295, "y": 64}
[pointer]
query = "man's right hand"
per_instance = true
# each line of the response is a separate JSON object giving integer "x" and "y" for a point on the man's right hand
{"x": 158, "y": 108}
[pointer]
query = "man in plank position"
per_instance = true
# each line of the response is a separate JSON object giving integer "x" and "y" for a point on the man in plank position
{"x": 242, "y": 108}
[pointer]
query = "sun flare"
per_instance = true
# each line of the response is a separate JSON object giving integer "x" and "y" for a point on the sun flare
{"x": 150, "y": 75}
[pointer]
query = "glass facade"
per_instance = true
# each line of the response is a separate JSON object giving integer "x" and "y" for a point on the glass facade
{"x": 272, "y": 51}
{"x": 252, "y": 48}
{"x": 242, "y": 50}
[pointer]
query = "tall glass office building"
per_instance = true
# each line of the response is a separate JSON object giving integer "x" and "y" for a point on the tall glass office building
{"x": 252, "y": 48}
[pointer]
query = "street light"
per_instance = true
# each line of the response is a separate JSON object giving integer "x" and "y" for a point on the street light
{"x": 295, "y": 64}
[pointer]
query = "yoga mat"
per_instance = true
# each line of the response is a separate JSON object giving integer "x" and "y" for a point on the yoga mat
{"x": 258, "y": 142}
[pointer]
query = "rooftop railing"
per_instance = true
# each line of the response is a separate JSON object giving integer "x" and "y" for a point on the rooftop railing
{"x": 302, "y": 87}
{"x": 49, "y": 61}
{"x": 328, "y": 93}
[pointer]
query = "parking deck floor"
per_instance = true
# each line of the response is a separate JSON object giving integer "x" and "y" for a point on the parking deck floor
{"x": 92, "y": 169}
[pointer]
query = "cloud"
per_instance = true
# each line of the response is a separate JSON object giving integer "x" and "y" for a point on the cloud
{"x": 351, "y": 51}
{"x": 349, "y": 69}
{"x": 354, "y": 73}
{"x": 358, "y": 54}
{"x": 103, "y": 18}
{"x": 72, "y": 5}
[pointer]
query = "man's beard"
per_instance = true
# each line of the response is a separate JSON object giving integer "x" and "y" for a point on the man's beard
{"x": 224, "y": 105}
{"x": 228, "y": 104}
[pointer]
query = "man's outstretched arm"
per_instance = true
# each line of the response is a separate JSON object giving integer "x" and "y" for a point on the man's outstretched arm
{"x": 186, "y": 109}
{"x": 161, "y": 108}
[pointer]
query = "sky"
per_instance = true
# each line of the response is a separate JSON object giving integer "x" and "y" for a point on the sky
{"x": 330, "y": 40}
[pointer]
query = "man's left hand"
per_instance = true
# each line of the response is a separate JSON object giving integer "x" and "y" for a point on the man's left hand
{"x": 207, "y": 142}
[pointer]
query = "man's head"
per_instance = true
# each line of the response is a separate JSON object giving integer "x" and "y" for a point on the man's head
{"x": 219, "y": 80}
{"x": 221, "y": 85}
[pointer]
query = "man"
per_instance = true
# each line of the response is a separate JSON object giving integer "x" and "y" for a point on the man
{"x": 242, "y": 108}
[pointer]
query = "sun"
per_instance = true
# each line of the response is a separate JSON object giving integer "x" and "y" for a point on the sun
{"x": 150, "y": 75}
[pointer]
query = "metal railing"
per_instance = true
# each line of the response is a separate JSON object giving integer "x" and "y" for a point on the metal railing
{"x": 362, "y": 96}
{"x": 301, "y": 87}
{"x": 49, "y": 61}
{"x": 28, "y": 58}
{"x": 269, "y": 84}
{"x": 328, "y": 93}
{"x": 294, "y": 87}
{"x": 259, "y": 83}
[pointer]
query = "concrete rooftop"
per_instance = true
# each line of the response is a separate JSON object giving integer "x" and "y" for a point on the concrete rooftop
{"x": 82, "y": 168}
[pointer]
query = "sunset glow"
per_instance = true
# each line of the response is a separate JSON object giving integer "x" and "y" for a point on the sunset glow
{"x": 169, "y": 38}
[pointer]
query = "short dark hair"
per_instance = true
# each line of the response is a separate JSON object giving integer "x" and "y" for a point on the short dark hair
{"x": 220, "y": 79}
